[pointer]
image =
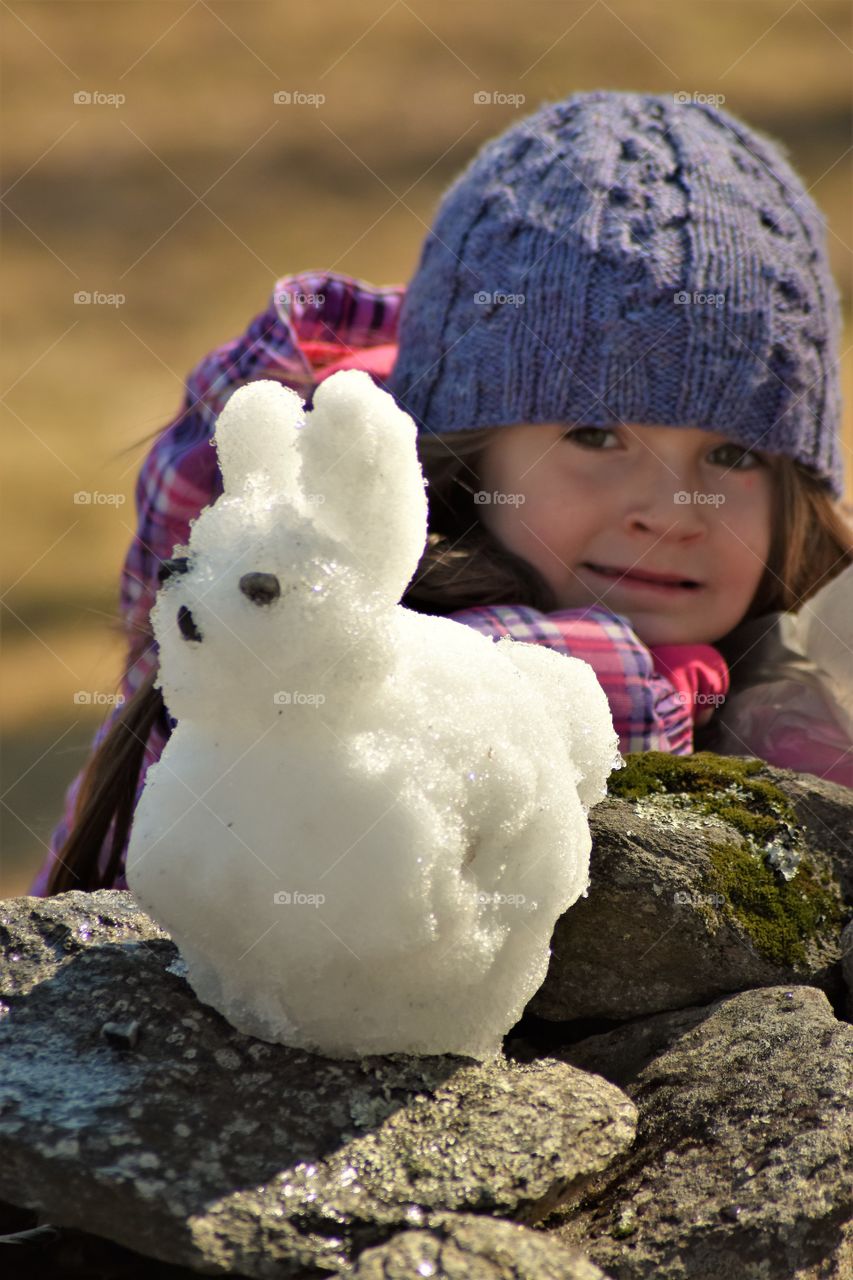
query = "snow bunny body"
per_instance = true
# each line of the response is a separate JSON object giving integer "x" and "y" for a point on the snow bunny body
{"x": 367, "y": 820}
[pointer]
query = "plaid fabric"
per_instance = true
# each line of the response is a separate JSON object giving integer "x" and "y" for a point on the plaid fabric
{"x": 649, "y": 714}
{"x": 314, "y": 324}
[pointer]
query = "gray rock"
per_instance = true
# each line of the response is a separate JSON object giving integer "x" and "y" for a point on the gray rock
{"x": 29, "y": 1251}
{"x": 703, "y": 885}
{"x": 743, "y": 1163}
{"x": 621, "y": 1054}
{"x": 465, "y": 1247}
{"x": 176, "y": 1136}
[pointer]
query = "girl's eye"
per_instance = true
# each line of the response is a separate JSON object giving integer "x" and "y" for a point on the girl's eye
{"x": 575, "y": 433}
{"x": 596, "y": 438}
{"x": 737, "y": 453}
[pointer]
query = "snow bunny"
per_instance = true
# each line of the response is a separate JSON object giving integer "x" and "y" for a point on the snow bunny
{"x": 367, "y": 820}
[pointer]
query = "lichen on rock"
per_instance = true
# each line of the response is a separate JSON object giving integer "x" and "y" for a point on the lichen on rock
{"x": 778, "y": 914}
{"x": 704, "y": 878}
{"x": 725, "y": 787}
{"x": 767, "y": 880}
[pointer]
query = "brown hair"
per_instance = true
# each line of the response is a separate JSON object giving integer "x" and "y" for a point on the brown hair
{"x": 463, "y": 565}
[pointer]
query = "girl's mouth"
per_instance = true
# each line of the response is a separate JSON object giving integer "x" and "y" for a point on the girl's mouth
{"x": 627, "y": 579}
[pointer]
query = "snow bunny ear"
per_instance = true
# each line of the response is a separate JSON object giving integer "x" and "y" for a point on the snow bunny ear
{"x": 359, "y": 457}
{"x": 256, "y": 436}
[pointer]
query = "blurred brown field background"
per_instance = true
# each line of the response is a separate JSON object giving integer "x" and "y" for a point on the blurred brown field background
{"x": 195, "y": 193}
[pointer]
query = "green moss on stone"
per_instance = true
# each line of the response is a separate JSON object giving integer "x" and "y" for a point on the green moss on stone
{"x": 721, "y": 786}
{"x": 778, "y": 915}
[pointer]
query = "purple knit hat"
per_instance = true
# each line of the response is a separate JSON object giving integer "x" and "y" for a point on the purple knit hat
{"x": 626, "y": 257}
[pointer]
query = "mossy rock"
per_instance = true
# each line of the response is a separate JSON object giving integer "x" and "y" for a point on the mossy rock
{"x": 778, "y": 892}
{"x": 722, "y": 786}
{"x": 779, "y": 915}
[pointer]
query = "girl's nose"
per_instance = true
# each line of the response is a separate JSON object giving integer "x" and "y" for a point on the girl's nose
{"x": 668, "y": 506}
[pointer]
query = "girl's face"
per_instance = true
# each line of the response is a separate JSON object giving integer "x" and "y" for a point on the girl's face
{"x": 590, "y": 506}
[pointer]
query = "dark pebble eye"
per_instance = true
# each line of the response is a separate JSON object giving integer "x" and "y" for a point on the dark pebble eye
{"x": 260, "y": 588}
{"x": 180, "y": 564}
{"x": 186, "y": 624}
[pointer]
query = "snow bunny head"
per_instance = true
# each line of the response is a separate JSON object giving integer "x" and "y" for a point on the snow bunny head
{"x": 319, "y": 529}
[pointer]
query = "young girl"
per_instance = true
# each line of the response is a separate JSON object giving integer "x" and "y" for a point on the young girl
{"x": 620, "y": 348}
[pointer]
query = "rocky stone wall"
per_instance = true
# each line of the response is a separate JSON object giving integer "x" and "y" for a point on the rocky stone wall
{"x": 675, "y": 1103}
